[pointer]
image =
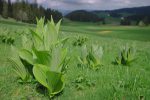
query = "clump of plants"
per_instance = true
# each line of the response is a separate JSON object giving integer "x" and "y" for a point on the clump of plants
{"x": 7, "y": 39}
{"x": 43, "y": 58}
{"x": 126, "y": 56}
{"x": 81, "y": 82}
{"x": 90, "y": 58}
{"x": 79, "y": 41}
{"x": 141, "y": 24}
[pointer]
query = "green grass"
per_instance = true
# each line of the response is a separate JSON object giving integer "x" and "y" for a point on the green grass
{"x": 111, "y": 81}
{"x": 123, "y": 32}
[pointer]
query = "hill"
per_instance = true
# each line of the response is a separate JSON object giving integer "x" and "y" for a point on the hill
{"x": 134, "y": 14}
{"x": 136, "y": 10}
{"x": 83, "y": 16}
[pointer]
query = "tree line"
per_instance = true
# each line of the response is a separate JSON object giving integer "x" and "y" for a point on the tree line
{"x": 22, "y": 10}
{"x": 83, "y": 16}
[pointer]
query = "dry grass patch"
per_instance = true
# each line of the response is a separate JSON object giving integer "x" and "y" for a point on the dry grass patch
{"x": 105, "y": 32}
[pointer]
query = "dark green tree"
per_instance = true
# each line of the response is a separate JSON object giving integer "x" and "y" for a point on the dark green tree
{"x": 83, "y": 16}
{"x": 146, "y": 21}
{"x": 5, "y": 10}
{"x": 1, "y": 6}
{"x": 103, "y": 21}
{"x": 10, "y": 9}
{"x": 56, "y": 14}
{"x": 21, "y": 10}
{"x": 125, "y": 21}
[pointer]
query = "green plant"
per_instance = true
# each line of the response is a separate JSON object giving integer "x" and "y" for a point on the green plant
{"x": 91, "y": 57}
{"x": 82, "y": 58}
{"x": 44, "y": 57}
{"x": 82, "y": 82}
{"x": 18, "y": 67}
{"x": 7, "y": 39}
{"x": 126, "y": 56}
{"x": 53, "y": 81}
{"x": 79, "y": 41}
{"x": 94, "y": 57}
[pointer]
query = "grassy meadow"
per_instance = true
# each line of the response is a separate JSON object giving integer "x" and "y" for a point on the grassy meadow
{"x": 110, "y": 82}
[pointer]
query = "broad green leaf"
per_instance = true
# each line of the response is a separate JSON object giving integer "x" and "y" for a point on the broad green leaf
{"x": 97, "y": 51}
{"x": 118, "y": 59}
{"x": 84, "y": 51}
{"x": 27, "y": 56}
{"x": 80, "y": 60}
{"x": 55, "y": 82}
{"x": 91, "y": 58}
{"x": 19, "y": 68}
{"x": 42, "y": 57}
{"x": 58, "y": 26}
{"x": 37, "y": 40}
{"x": 58, "y": 58}
{"x": 39, "y": 72}
{"x": 52, "y": 21}
{"x": 40, "y": 27}
{"x": 63, "y": 41}
{"x": 26, "y": 43}
{"x": 127, "y": 56}
{"x": 65, "y": 64}
{"x": 63, "y": 57}
{"x": 50, "y": 35}
{"x": 83, "y": 55}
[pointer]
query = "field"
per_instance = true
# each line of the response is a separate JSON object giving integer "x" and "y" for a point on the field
{"x": 110, "y": 82}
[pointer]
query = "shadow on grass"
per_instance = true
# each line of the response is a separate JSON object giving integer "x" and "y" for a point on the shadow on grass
{"x": 42, "y": 90}
{"x": 114, "y": 63}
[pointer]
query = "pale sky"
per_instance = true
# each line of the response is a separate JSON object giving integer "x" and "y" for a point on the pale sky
{"x": 92, "y": 4}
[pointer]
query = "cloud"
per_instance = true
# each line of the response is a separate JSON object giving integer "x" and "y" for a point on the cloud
{"x": 91, "y": 4}
{"x": 95, "y": 4}
{"x": 40, "y": 1}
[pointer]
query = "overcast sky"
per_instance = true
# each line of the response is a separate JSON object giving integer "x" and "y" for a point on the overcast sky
{"x": 92, "y": 4}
